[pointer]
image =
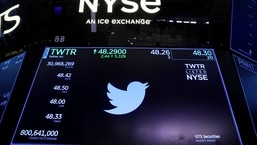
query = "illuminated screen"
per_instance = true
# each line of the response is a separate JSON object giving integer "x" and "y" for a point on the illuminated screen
{"x": 127, "y": 96}
{"x": 244, "y": 28}
{"x": 247, "y": 72}
{"x": 9, "y": 70}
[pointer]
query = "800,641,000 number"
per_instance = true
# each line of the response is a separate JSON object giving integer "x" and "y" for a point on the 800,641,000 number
{"x": 39, "y": 133}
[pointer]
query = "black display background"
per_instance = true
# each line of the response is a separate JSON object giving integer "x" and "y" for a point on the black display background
{"x": 206, "y": 111}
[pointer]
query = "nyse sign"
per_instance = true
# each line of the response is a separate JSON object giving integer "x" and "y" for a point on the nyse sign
{"x": 5, "y": 17}
{"x": 150, "y": 7}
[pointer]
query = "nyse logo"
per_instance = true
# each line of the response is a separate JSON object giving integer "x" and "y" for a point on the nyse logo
{"x": 126, "y": 101}
{"x": 130, "y": 6}
{"x": 196, "y": 72}
{"x": 5, "y": 17}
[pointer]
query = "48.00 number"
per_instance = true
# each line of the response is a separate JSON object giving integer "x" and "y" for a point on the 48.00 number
{"x": 39, "y": 133}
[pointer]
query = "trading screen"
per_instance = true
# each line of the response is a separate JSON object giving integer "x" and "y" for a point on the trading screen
{"x": 9, "y": 71}
{"x": 247, "y": 73}
{"x": 244, "y": 28}
{"x": 127, "y": 96}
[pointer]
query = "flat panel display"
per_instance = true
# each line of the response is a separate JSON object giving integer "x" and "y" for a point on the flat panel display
{"x": 9, "y": 71}
{"x": 247, "y": 72}
{"x": 244, "y": 28}
{"x": 127, "y": 96}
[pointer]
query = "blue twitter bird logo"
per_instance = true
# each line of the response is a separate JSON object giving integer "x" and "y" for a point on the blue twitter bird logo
{"x": 126, "y": 101}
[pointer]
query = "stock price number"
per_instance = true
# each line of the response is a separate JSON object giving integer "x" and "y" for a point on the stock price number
{"x": 61, "y": 87}
{"x": 111, "y": 51}
{"x": 65, "y": 76}
{"x": 206, "y": 53}
{"x": 51, "y": 116}
{"x": 39, "y": 133}
{"x": 161, "y": 52}
{"x": 57, "y": 101}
